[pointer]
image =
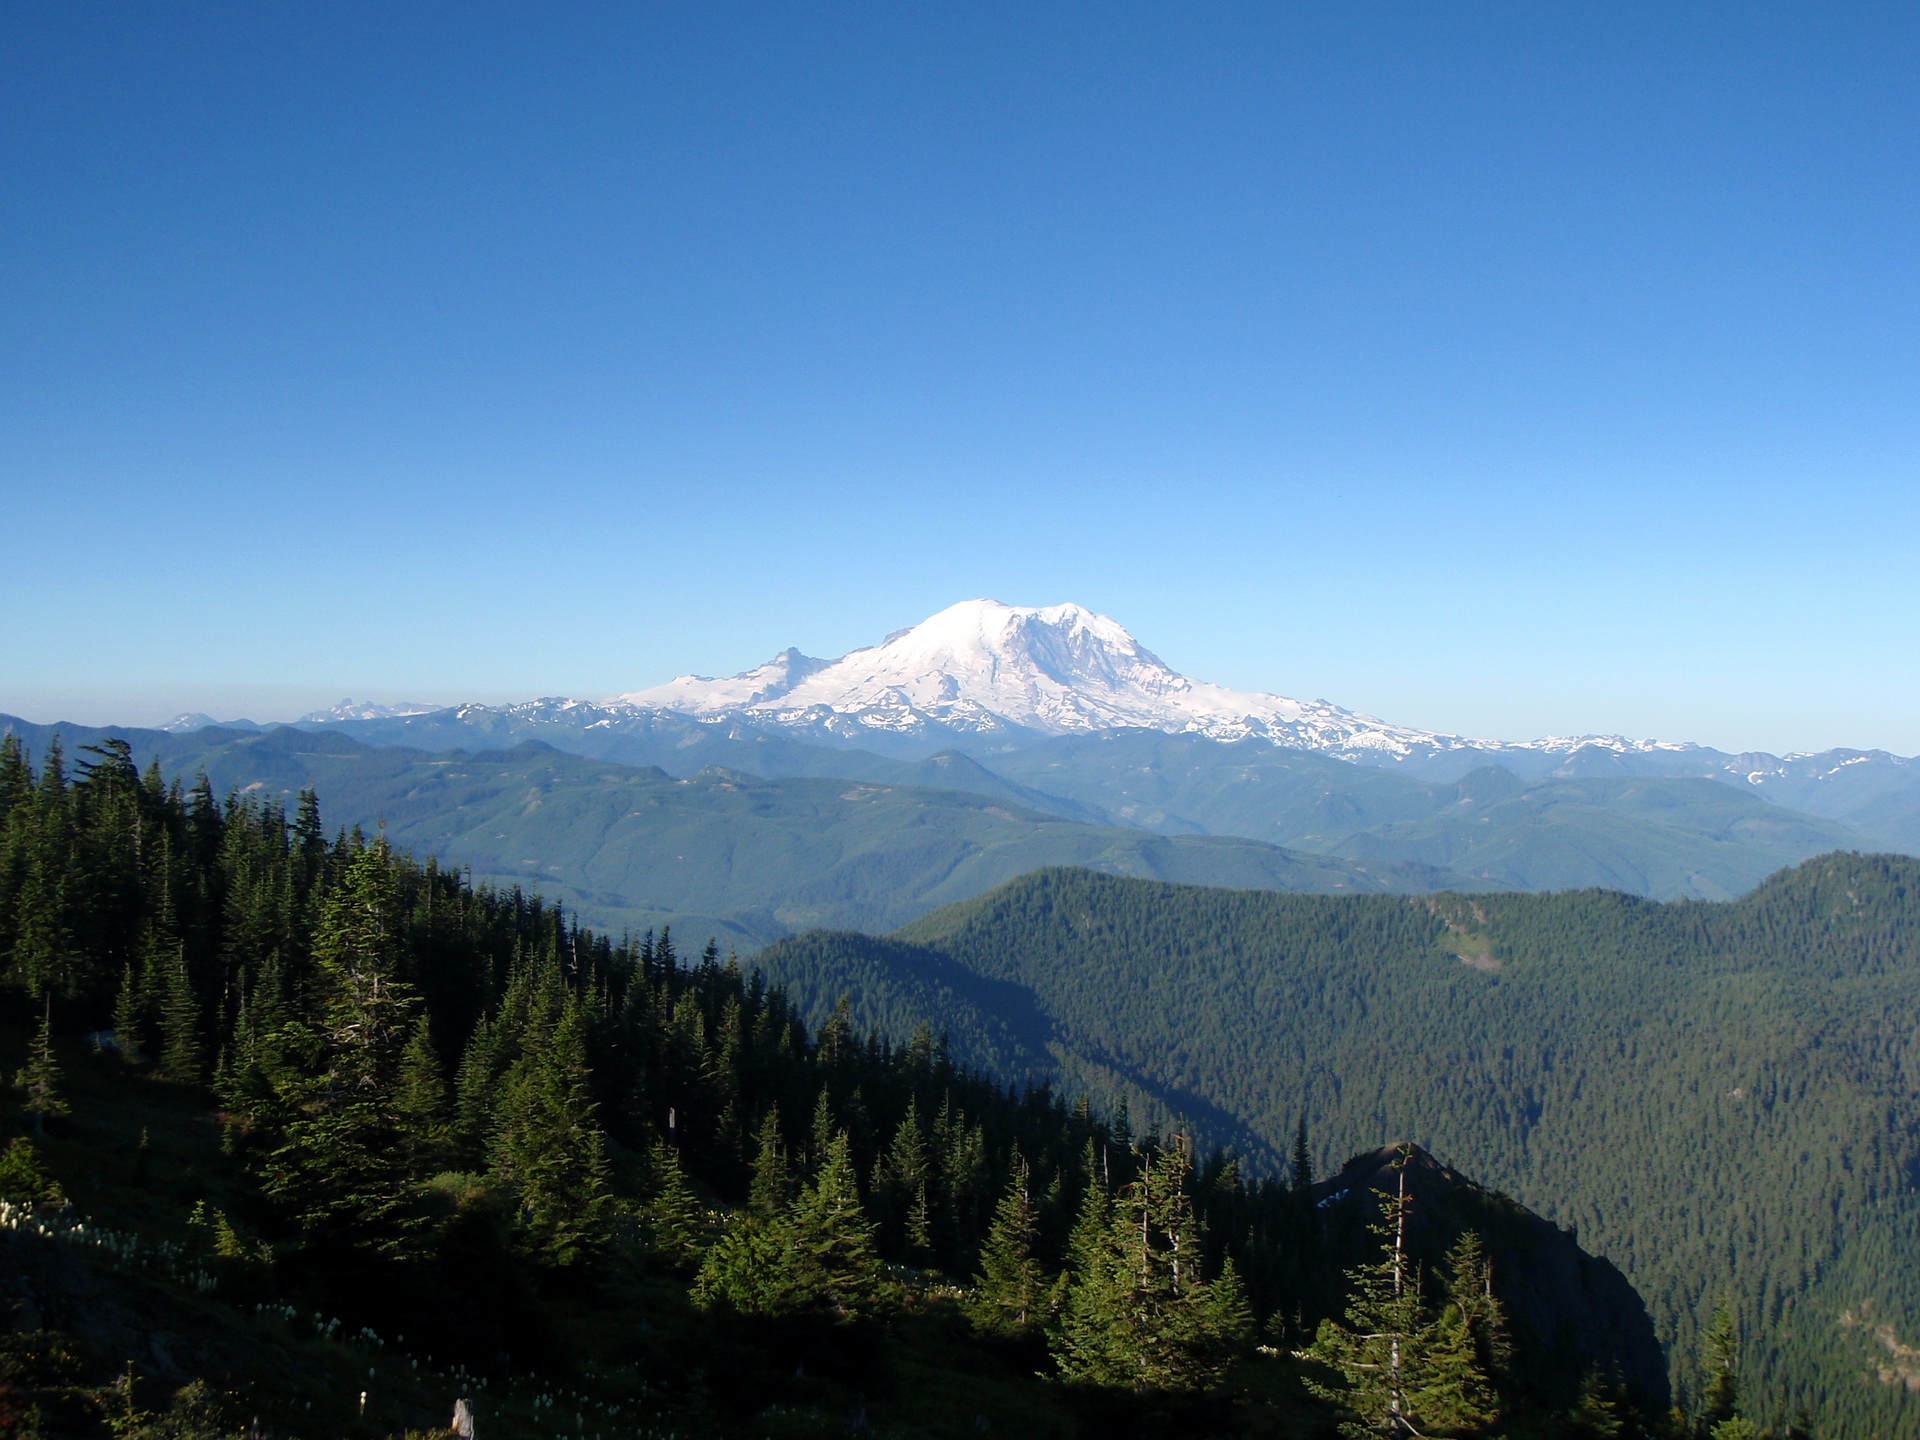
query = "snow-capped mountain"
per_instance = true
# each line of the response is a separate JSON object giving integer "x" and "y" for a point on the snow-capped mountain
{"x": 351, "y": 709}
{"x": 982, "y": 666}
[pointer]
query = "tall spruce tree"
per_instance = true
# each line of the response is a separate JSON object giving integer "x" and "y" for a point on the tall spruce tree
{"x": 548, "y": 1147}
{"x": 1403, "y": 1370}
{"x": 1139, "y": 1312}
{"x": 1719, "y": 1371}
{"x": 39, "y": 1078}
{"x": 1010, "y": 1293}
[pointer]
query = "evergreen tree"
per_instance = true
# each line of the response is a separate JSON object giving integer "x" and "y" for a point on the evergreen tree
{"x": 130, "y": 1018}
{"x": 548, "y": 1148}
{"x": 1302, "y": 1157}
{"x": 39, "y": 1079}
{"x": 833, "y": 1239}
{"x": 770, "y": 1188}
{"x": 341, "y": 1164}
{"x": 1720, "y": 1372}
{"x": 817, "y": 1256}
{"x": 1010, "y": 1293}
{"x": 676, "y": 1221}
{"x": 1598, "y": 1413}
{"x": 1471, "y": 1348}
{"x": 22, "y": 1181}
{"x": 181, "y": 1057}
{"x": 1403, "y": 1370}
{"x": 1139, "y": 1313}
{"x": 420, "y": 1098}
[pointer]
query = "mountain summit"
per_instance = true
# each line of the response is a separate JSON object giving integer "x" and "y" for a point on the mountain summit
{"x": 983, "y": 666}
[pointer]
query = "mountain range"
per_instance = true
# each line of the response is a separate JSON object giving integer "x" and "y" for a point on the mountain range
{"x": 1064, "y": 714}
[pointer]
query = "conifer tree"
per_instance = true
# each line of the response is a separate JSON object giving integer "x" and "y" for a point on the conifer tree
{"x": 1720, "y": 1371}
{"x": 130, "y": 1018}
{"x": 548, "y": 1147}
{"x": 1302, "y": 1177}
{"x": 39, "y": 1079}
{"x": 476, "y": 1084}
{"x": 675, "y": 1218}
{"x": 1598, "y": 1413}
{"x": 816, "y": 1256}
{"x": 1470, "y": 1348}
{"x": 181, "y": 1056}
{"x": 905, "y": 1179}
{"x": 420, "y": 1097}
{"x": 340, "y": 1166}
{"x": 1010, "y": 1292}
{"x": 770, "y": 1187}
{"x": 832, "y": 1237}
{"x": 1140, "y": 1314}
{"x": 22, "y": 1181}
{"x": 1404, "y": 1371}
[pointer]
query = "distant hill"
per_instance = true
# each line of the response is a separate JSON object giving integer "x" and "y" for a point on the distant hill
{"x": 722, "y": 852}
{"x": 1721, "y": 1098}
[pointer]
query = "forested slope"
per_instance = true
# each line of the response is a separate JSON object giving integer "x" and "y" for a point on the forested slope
{"x": 263, "y": 1076}
{"x": 1720, "y": 1097}
{"x": 721, "y": 852}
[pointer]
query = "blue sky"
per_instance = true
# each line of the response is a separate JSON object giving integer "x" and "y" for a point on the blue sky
{"x": 1489, "y": 369}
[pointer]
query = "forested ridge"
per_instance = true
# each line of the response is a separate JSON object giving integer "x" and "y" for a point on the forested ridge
{"x": 1720, "y": 1097}
{"x": 303, "y": 1076}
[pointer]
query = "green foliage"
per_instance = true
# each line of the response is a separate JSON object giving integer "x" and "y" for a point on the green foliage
{"x": 1720, "y": 1372}
{"x": 1713, "y": 1094}
{"x": 22, "y": 1181}
{"x": 39, "y": 1079}
{"x": 547, "y": 1148}
{"x": 615, "y": 1120}
{"x": 1403, "y": 1370}
{"x": 1012, "y": 1291}
{"x": 815, "y": 1256}
{"x": 1140, "y": 1313}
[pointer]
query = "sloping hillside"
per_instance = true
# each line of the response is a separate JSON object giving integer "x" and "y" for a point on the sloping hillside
{"x": 722, "y": 852}
{"x": 1722, "y": 1098}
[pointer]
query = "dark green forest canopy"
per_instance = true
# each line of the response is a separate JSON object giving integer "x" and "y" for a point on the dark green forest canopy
{"x": 452, "y": 1112}
{"x": 1721, "y": 1097}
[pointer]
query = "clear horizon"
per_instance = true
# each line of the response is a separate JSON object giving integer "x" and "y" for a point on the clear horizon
{"x": 1493, "y": 372}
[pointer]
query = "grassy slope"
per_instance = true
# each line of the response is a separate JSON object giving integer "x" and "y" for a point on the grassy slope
{"x": 1719, "y": 1097}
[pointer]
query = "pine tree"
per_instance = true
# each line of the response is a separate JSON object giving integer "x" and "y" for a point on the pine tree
{"x": 1598, "y": 1413}
{"x": 39, "y": 1079}
{"x": 420, "y": 1098}
{"x": 181, "y": 1056}
{"x": 770, "y": 1188}
{"x": 816, "y": 1256}
{"x": 1469, "y": 1347}
{"x": 1010, "y": 1292}
{"x": 130, "y": 1018}
{"x": 904, "y": 1180}
{"x": 22, "y": 1181}
{"x": 1139, "y": 1313}
{"x": 676, "y": 1220}
{"x": 832, "y": 1237}
{"x": 1720, "y": 1371}
{"x": 340, "y": 1166}
{"x": 1302, "y": 1157}
{"x": 1403, "y": 1370}
{"x": 548, "y": 1147}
